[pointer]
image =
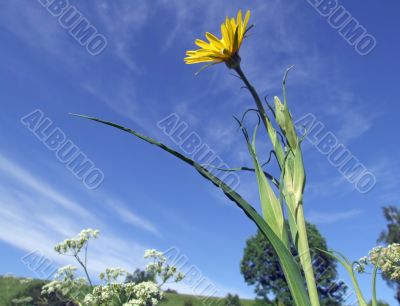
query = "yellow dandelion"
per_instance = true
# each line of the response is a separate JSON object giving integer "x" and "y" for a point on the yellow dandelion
{"x": 221, "y": 50}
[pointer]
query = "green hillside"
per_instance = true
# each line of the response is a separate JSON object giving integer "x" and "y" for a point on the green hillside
{"x": 11, "y": 287}
{"x": 179, "y": 299}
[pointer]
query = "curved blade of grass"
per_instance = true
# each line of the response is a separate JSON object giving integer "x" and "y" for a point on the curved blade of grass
{"x": 271, "y": 206}
{"x": 288, "y": 264}
{"x": 349, "y": 268}
{"x": 290, "y": 210}
{"x": 294, "y": 178}
{"x": 374, "y": 300}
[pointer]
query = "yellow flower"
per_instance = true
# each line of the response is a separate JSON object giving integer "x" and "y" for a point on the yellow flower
{"x": 224, "y": 49}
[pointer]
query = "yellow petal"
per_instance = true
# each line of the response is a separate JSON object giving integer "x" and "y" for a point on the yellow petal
{"x": 213, "y": 40}
{"x": 219, "y": 50}
{"x": 239, "y": 17}
{"x": 233, "y": 23}
{"x": 246, "y": 19}
{"x": 225, "y": 35}
{"x": 201, "y": 43}
{"x": 229, "y": 30}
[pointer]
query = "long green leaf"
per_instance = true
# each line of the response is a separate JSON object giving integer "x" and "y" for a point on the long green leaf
{"x": 294, "y": 180}
{"x": 271, "y": 206}
{"x": 288, "y": 264}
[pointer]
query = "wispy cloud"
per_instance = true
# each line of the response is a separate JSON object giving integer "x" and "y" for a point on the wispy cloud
{"x": 25, "y": 179}
{"x": 35, "y": 216}
{"x": 131, "y": 218}
{"x": 32, "y": 220}
{"x": 320, "y": 186}
{"x": 332, "y": 217}
{"x": 388, "y": 177}
{"x": 351, "y": 116}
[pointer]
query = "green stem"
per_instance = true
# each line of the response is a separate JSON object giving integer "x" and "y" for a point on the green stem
{"x": 360, "y": 297}
{"x": 374, "y": 299}
{"x": 84, "y": 269}
{"x": 267, "y": 123}
{"x": 305, "y": 256}
{"x": 254, "y": 93}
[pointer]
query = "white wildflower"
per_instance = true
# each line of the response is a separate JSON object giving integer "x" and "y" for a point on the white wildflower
{"x": 387, "y": 259}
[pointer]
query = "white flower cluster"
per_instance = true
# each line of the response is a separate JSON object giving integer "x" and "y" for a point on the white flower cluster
{"x": 145, "y": 294}
{"x": 161, "y": 268}
{"x": 111, "y": 275}
{"x": 142, "y": 294}
{"x": 104, "y": 295}
{"x": 112, "y": 290}
{"x": 26, "y": 280}
{"x": 22, "y": 301}
{"x": 154, "y": 254}
{"x": 129, "y": 294}
{"x": 75, "y": 245}
{"x": 387, "y": 259}
{"x": 65, "y": 283}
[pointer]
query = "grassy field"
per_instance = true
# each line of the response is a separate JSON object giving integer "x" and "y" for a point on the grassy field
{"x": 179, "y": 299}
{"x": 11, "y": 287}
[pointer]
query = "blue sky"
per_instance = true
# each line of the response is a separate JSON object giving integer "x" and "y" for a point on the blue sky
{"x": 151, "y": 200}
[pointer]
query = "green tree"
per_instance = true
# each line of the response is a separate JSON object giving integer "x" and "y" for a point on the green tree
{"x": 260, "y": 267}
{"x": 379, "y": 303}
{"x": 232, "y": 300}
{"x": 389, "y": 236}
{"x": 139, "y": 276}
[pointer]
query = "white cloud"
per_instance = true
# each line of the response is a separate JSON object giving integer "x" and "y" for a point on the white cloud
{"x": 331, "y": 217}
{"x": 35, "y": 216}
{"x": 387, "y": 177}
{"x": 215, "y": 289}
{"x": 351, "y": 117}
{"x": 33, "y": 222}
{"x": 131, "y": 218}
{"x": 28, "y": 180}
{"x": 319, "y": 186}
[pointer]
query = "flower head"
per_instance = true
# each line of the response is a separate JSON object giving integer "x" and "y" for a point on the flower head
{"x": 387, "y": 259}
{"x": 221, "y": 50}
{"x": 75, "y": 245}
